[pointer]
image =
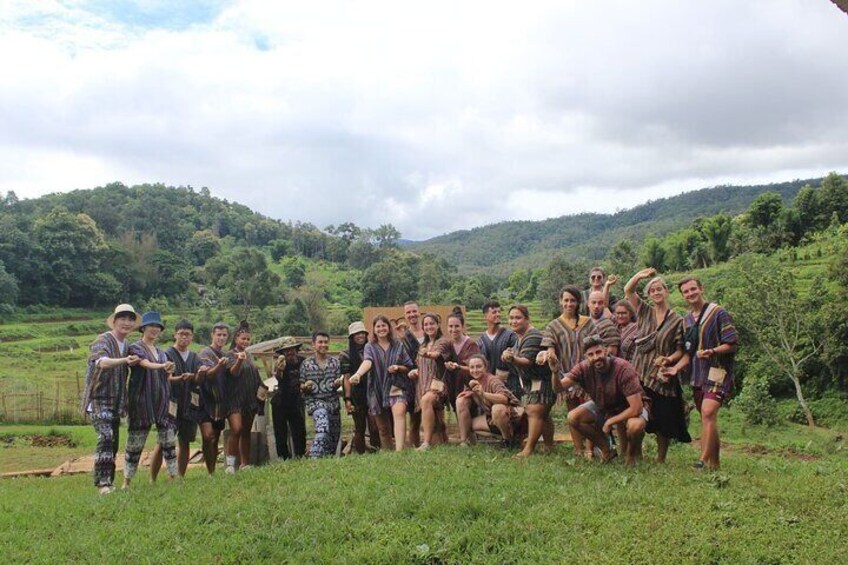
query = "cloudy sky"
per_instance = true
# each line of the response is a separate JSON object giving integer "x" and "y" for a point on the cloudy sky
{"x": 434, "y": 116}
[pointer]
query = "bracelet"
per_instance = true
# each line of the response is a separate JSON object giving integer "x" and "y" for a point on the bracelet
{"x": 348, "y": 399}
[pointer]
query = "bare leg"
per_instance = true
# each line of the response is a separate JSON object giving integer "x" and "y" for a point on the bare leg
{"x": 155, "y": 462}
{"x": 536, "y": 414}
{"x": 428, "y": 417}
{"x": 582, "y": 422}
{"x": 234, "y": 420}
{"x": 710, "y": 445}
{"x": 635, "y": 435}
{"x": 384, "y": 427}
{"x": 210, "y": 445}
{"x": 463, "y": 418}
{"x": 500, "y": 417}
{"x": 662, "y": 448}
{"x": 399, "y": 417}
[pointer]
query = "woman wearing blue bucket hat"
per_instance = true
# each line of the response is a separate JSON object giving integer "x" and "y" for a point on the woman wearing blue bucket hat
{"x": 149, "y": 399}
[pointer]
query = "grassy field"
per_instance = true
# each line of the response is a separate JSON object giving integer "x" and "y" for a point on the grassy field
{"x": 781, "y": 497}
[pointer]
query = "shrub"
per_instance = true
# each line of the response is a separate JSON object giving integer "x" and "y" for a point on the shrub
{"x": 758, "y": 407}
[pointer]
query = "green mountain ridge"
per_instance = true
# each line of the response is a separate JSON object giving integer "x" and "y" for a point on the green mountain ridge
{"x": 506, "y": 246}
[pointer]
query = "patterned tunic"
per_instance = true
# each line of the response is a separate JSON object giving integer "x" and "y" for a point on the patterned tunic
{"x": 325, "y": 394}
{"x": 628, "y": 336}
{"x": 493, "y": 385}
{"x": 716, "y": 329}
{"x": 186, "y": 393}
{"x": 381, "y": 381}
{"x": 606, "y": 330}
{"x": 567, "y": 341}
{"x": 493, "y": 348}
{"x": 358, "y": 392}
{"x": 412, "y": 344}
{"x": 212, "y": 394}
{"x": 537, "y": 378}
{"x": 609, "y": 390}
{"x": 654, "y": 341}
{"x": 458, "y": 379}
{"x": 149, "y": 397}
{"x": 105, "y": 389}
{"x": 430, "y": 370}
{"x": 240, "y": 388}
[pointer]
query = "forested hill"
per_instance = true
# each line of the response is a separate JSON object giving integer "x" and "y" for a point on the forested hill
{"x": 506, "y": 246}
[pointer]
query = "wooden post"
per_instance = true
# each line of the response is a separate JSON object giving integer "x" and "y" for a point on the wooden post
{"x": 56, "y": 403}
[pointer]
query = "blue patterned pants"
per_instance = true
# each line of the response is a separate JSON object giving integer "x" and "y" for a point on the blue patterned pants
{"x": 328, "y": 430}
{"x": 107, "y": 425}
{"x": 135, "y": 445}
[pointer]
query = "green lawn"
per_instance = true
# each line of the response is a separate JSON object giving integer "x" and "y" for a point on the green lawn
{"x": 781, "y": 497}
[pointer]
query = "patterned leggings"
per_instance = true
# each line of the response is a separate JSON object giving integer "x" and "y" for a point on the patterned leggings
{"x": 328, "y": 429}
{"x": 135, "y": 445}
{"x": 107, "y": 426}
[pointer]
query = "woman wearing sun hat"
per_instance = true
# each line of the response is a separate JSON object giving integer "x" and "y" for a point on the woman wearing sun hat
{"x": 356, "y": 396}
{"x": 104, "y": 400}
{"x": 149, "y": 399}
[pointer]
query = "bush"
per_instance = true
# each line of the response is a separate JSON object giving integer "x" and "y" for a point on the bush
{"x": 758, "y": 407}
{"x": 828, "y": 411}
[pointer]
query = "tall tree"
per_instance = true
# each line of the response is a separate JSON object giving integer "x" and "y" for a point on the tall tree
{"x": 784, "y": 326}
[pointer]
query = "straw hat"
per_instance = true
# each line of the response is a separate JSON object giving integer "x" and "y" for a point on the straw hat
{"x": 288, "y": 342}
{"x": 121, "y": 309}
{"x": 356, "y": 328}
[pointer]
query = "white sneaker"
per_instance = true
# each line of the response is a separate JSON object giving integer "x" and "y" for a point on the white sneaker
{"x": 106, "y": 489}
{"x": 245, "y": 467}
{"x": 423, "y": 447}
{"x": 230, "y": 470}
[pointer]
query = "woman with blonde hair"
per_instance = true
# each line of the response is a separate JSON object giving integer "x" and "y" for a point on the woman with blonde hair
{"x": 659, "y": 358}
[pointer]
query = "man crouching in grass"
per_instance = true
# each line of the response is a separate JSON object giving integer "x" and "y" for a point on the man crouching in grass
{"x": 616, "y": 400}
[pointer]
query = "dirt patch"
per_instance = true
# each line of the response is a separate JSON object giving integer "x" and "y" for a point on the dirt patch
{"x": 37, "y": 440}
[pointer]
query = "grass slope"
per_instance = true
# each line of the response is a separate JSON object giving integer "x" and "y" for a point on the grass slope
{"x": 784, "y": 504}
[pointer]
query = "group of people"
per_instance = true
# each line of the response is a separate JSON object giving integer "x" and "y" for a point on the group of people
{"x": 618, "y": 366}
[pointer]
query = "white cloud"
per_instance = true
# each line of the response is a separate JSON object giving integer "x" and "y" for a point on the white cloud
{"x": 433, "y": 116}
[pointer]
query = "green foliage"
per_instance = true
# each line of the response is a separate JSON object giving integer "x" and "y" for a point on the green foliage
{"x": 389, "y": 282}
{"x": 765, "y": 210}
{"x": 8, "y": 287}
{"x": 242, "y": 279}
{"x": 280, "y": 248}
{"x": 833, "y": 197}
{"x": 294, "y": 269}
{"x": 560, "y": 272}
{"x": 295, "y": 319}
{"x": 758, "y": 407}
{"x": 202, "y": 246}
{"x": 653, "y": 253}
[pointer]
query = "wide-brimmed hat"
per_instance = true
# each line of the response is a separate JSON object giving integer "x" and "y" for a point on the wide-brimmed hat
{"x": 151, "y": 319}
{"x": 121, "y": 309}
{"x": 288, "y": 342}
{"x": 356, "y": 328}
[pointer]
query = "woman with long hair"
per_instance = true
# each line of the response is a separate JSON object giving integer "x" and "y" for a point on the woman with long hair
{"x": 243, "y": 386}
{"x": 457, "y": 375}
{"x": 356, "y": 396}
{"x": 562, "y": 348}
{"x": 659, "y": 359}
{"x": 430, "y": 388}
{"x": 390, "y": 392}
{"x": 539, "y": 395}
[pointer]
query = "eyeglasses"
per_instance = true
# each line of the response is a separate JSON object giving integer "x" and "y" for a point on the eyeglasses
{"x": 623, "y": 314}
{"x": 596, "y": 277}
